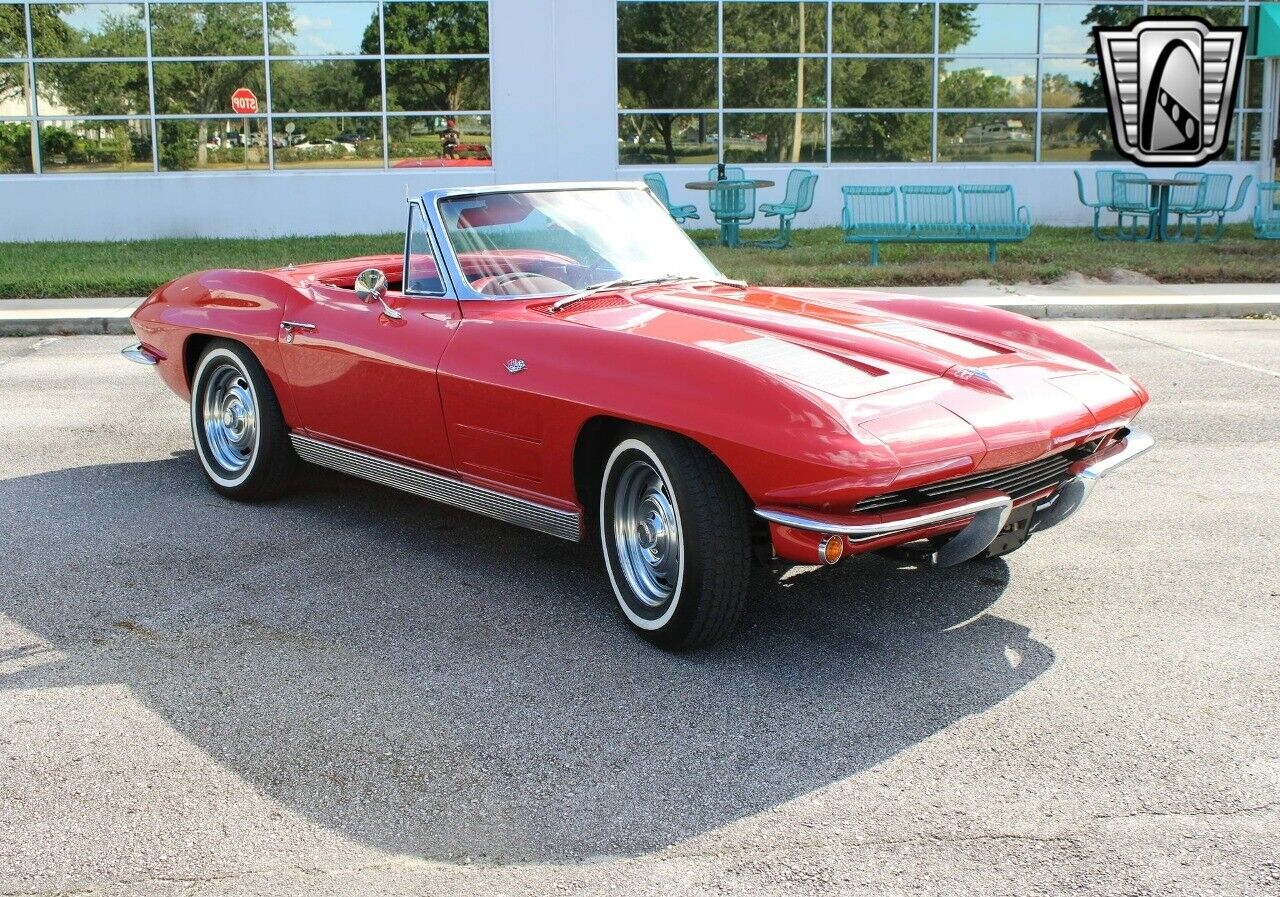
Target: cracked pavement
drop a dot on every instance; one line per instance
(355, 692)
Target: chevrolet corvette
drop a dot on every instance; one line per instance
(564, 358)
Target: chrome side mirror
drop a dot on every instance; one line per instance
(371, 286)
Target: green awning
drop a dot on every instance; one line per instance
(1266, 30)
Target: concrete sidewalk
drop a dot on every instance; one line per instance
(27, 317)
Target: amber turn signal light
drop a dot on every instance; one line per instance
(831, 549)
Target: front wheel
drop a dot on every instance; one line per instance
(239, 431)
(674, 528)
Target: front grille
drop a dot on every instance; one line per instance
(1017, 482)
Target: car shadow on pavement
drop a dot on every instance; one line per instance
(435, 684)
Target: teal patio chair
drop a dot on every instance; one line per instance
(801, 184)
(1213, 203)
(1131, 197)
(1102, 190)
(733, 203)
(1185, 198)
(658, 184)
(731, 173)
(1266, 214)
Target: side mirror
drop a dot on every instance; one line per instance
(371, 286)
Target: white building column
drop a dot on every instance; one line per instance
(554, 75)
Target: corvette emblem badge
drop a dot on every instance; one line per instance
(977, 378)
(515, 365)
(1171, 85)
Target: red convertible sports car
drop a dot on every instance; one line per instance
(564, 358)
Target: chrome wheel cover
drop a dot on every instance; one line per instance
(228, 418)
(646, 534)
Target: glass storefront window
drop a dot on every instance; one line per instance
(221, 144)
(15, 147)
(1251, 125)
(979, 29)
(882, 28)
(207, 29)
(751, 26)
(91, 88)
(436, 28)
(666, 83)
(986, 137)
(775, 137)
(205, 88)
(326, 142)
(326, 85)
(1076, 137)
(969, 83)
(1067, 28)
(1071, 83)
(76, 146)
(323, 29)
(1215, 15)
(667, 139)
(666, 27)
(440, 141)
(881, 137)
(785, 83)
(13, 31)
(863, 83)
(15, 98)
(437, 85)
(78, 30)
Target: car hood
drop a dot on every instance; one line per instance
(912, 373)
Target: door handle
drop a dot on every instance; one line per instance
(290, 326)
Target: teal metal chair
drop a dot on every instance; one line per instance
(1132, 198)
(801, 185)
(733, 203)
(731, 173)
(658, 184)
(871, 215)
(993, 216)
(1212, 203)
(1185, 198)
(1102, 190)
(1266, 214)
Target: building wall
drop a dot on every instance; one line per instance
(554, 102)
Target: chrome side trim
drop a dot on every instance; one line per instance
(803, 521)
(437, 487)
(138, 355)
(1085, 475)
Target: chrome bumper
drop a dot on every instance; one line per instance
(137, 354)
(1085, 474)
(988, 509)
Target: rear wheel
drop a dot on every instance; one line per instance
(239, 432)
(676, 540)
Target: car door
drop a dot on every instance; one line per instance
(364, 374)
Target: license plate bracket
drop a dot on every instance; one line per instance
(1017, 530)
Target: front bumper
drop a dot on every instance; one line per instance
(986, 512)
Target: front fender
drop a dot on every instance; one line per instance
(245, 306)
(784, 443)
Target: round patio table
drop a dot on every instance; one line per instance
(1162, 188)
(711, 185)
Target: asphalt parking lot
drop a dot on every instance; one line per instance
(356, 692)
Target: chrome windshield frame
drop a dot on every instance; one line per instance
(461, 285)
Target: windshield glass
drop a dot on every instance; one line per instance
(560, 241)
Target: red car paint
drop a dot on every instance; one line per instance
(813, 401)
